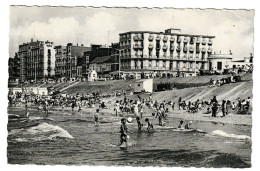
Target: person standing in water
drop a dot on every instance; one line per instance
(123, 131)
(96, 117)
(188, 125)
(149, 126)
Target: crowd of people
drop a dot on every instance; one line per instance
(225, 80)
(126, 106)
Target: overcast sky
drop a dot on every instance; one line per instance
(234, 29)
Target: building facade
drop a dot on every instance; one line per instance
(163, 52)
(61, 59)
(104, 65)
(66, 58)
(37, 60)
(221, 62)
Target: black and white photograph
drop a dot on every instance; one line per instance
(128, 86)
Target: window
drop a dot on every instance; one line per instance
(219, 65)
(150, 63)
(171, 53)
(150, 52)
(184, 65)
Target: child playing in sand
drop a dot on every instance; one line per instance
(149, 126)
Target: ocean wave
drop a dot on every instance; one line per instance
(41, 132)
(224, 134)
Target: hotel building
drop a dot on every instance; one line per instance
(36, 60)
(163, 52)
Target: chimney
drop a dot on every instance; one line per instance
(230, 52)
(31, 39)
(82, 44)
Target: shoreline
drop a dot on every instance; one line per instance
(231, 118)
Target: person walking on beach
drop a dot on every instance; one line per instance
(179, 103)
(214, 108)
(80, 108)
(116, 107)
(224, 108)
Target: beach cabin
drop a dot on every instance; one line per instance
(92, 76)
(145, 85)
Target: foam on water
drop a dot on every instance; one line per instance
(224, 134)
(41, 132)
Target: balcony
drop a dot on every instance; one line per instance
(165, 47)
(178, 48)
(138, 46)
(185, 49)
(158, 38)
(185, 40)
(179, 40)
(198, 40)
(172, 39)
(210, 42)
(191, 56)
(150, 46)
(204, 41)
(197, 55)
(210, 49)
(191, 49)
(172, 48)
(138, 38)
(198, 50)
(184, 56)
(165, 38)
(203, 49)
(150, 38)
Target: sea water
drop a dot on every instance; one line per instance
(75, 140)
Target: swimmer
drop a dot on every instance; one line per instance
(149, 126)
(188, 125)
(123, 131)
(181, 126)
(96, 117)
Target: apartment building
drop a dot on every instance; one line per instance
(36, 60)
(163, 52)
(73, 53)
(61, 60)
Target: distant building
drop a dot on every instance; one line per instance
(85, 63)
(145, 85)
(163, 52)
(61, 60)
(104, 65)
(92, 76)
(99, 51)
(220, 62)
(73, 52)
(36, 60)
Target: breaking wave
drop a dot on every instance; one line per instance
(41, 132)
(224, 134)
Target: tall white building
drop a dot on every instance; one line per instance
(37, 60)
(166, 52)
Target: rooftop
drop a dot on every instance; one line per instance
(163, 33)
